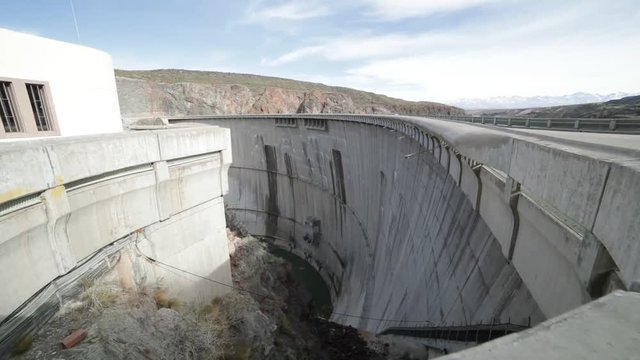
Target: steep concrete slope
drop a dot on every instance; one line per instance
(393, 235)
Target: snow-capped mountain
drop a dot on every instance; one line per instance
(519, 102)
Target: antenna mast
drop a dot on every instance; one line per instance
(75, 21)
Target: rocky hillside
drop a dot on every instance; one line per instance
(627, 107)
(153, 93)
(268, 316)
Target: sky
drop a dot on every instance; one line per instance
(438, 50)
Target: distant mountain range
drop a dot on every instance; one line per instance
(627, 107)
(521, 102)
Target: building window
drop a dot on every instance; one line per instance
(26, 109)
(8, 113)
(39, 107)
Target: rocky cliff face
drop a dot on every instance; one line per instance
(143, 98)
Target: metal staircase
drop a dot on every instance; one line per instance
(463, 333)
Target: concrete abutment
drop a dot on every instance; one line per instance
(110, 204)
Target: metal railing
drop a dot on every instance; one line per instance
(464, 333)
(627, 126)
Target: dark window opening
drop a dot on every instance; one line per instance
(286, 122)
(315, 124)
(7, 111)
(39, 107)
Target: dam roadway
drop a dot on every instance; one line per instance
(416, 221)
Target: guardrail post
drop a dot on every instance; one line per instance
(548, 123)
(576, 125)
(495, 120)
(527, 122)
(612, 125)
(491, 329)
(509, 122)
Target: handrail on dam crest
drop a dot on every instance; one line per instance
(627, 126)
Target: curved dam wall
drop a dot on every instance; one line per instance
(384, 220)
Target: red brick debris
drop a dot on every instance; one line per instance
(73, 339)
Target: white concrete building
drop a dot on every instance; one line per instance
(49, 88)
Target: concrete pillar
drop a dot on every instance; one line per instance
(58, 209)
(163, 189)
(455, 166)
(226, 160)
(512, 194)
(444, 157)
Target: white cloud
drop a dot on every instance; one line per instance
(364, 47)
(401, 9)
(294, 56)
(557, 69)
(516, 32)
(576, 47)
(288, 11)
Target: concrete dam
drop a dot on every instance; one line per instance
(411, 222)
(394, 237)
(420, 221)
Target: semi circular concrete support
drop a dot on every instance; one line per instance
(470, 184)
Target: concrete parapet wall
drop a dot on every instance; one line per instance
(65, 199)
(617, 223)
(603, 329)
(538, 167)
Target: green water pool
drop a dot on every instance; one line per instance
(307, 275)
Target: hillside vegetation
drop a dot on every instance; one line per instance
(153, 93)
(627, 107)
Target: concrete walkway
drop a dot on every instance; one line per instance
(608, 328)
